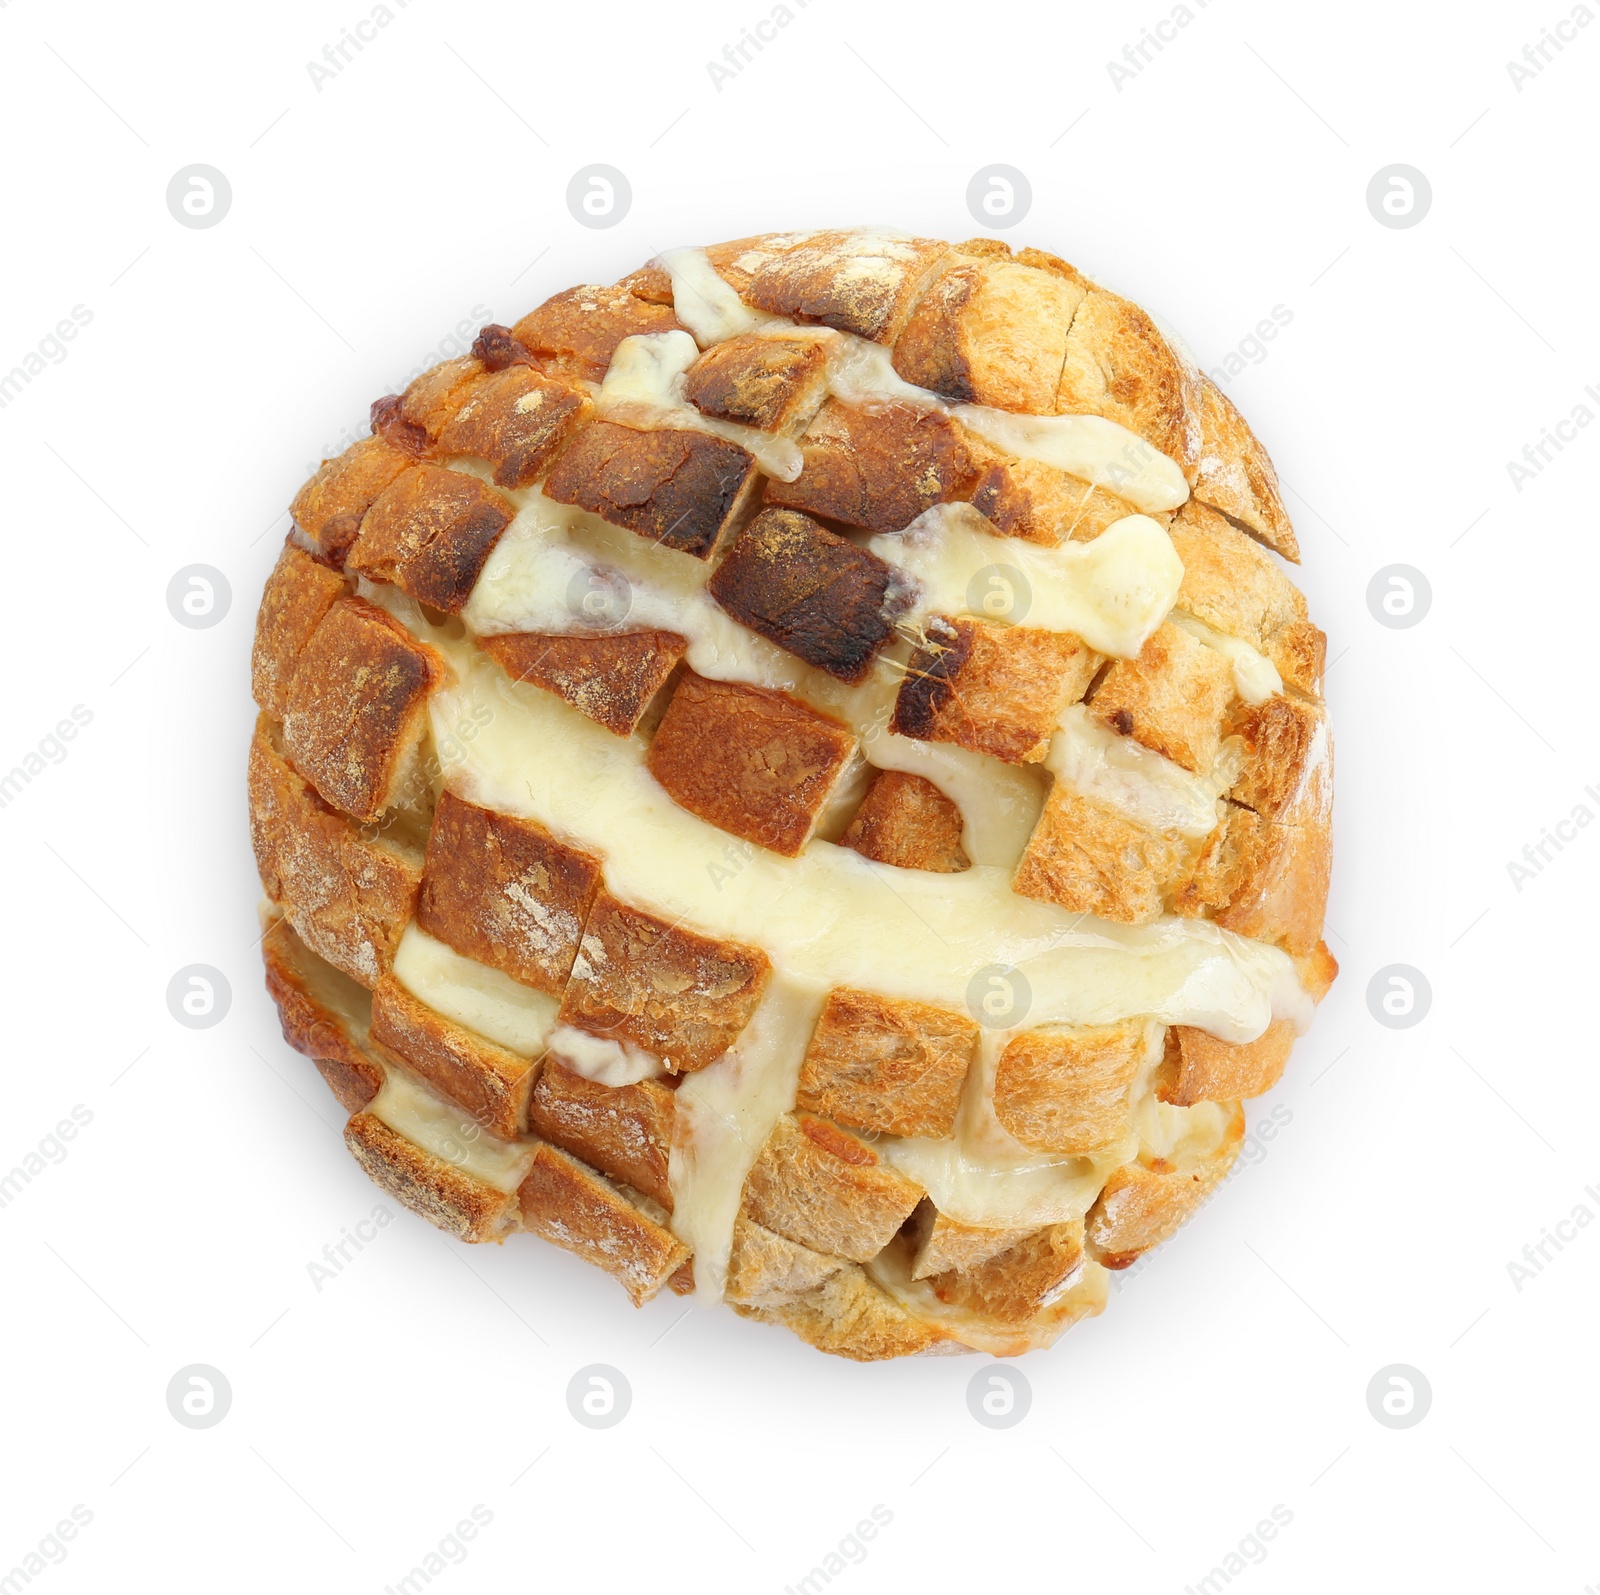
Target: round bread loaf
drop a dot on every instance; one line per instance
(800, 777)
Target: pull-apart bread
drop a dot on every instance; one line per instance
(801, 777)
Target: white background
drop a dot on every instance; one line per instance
(1229, 1373)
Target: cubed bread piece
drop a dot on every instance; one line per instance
(1045, 261)
(576, 332)
(432, 399)
(1275, 878)
(774, 384)
(329, 508)
(516, 420)
(826, 1189)
(1036, 502)
(906, 821)
(1090, 858)
(1288, 762)
(739, 259)
(1118, 365)
(654, 984)
(1235, 476)
(505, 891)
(989, 331)
(1148, 1200)
(1066, 1089)
(992, 688)
(941, 1244)
(1199, 1068)
(1317, 969)
(430, 533)
(444, 1195)
(609, 676)
(1171, 697)
(887, 1064)
(876, 469)
(299, 592)
(1232, 584)
(569, 1204)
(753, 762)
(810, 591)
(858, 280)
(624, 1131)
(324, 1014)
(651, 283)
(347, 897)
(849, 1316)
(682, 489)
(1015, 1284)
(357, 707)
(765, 1270)
(491, 1082)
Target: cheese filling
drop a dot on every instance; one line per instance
(604, 1059)
(439, 1127)
(474, 995)
(1255, 677)
(1113, 592)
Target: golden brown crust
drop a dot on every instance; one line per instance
(430, 533)
(299, 592)
(941, 1244)
(992, 688)
(1234, 475)
(775, 384)
(329, 508)
(1317, 969)
(764, 1269)
(505, 891)
(823, 1188)
(610, 677)
(990, 331)
(1199, 1068)
(683, 489)
(324, 1015)
(876, 469)
(1120, 366)
(1146, 1201)
(906, 821)
(1038, 503)
(348, 898)
(517, 420)
(1281, 890)
(357, 707)
(573, 1207)
(453, 1201)
(1285, 773)
(430, 401)
(1066, 1090)
(624, 1131)
(576, 332)
(851, 281)
(1015, 1284)
(753, 762)
(849, 1316)
(489, 1081)
(1171, 697)
(810, 591)
(1089, 858)
(653, 984)
(886, 1064)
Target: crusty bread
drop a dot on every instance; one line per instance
(672, 937)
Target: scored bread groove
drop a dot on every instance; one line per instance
(678, 708)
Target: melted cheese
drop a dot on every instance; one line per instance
(1113, 592)
(830, 916)
(1135, 780)
(703, 302)
(474, 995)
(1255, 677)
(438, 1127)
(724, 1115)
(644, 388)
(603, 1059)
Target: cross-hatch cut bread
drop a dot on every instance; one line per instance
(783, 561)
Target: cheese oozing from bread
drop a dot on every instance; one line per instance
(448, 1133)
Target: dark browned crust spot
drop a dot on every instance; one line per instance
(357, 705)
(506, 892)
(929, 685)
(389, 423)
(517, 420)
(329, 507)
(652, 984)
(610, 677)
(624, 1131)
(674, 487)
(430, 534)
(810, 591)
(879, 470)
(776, 384)
(930, 353)
(906, 821)
(497, 347)
(753, 762)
